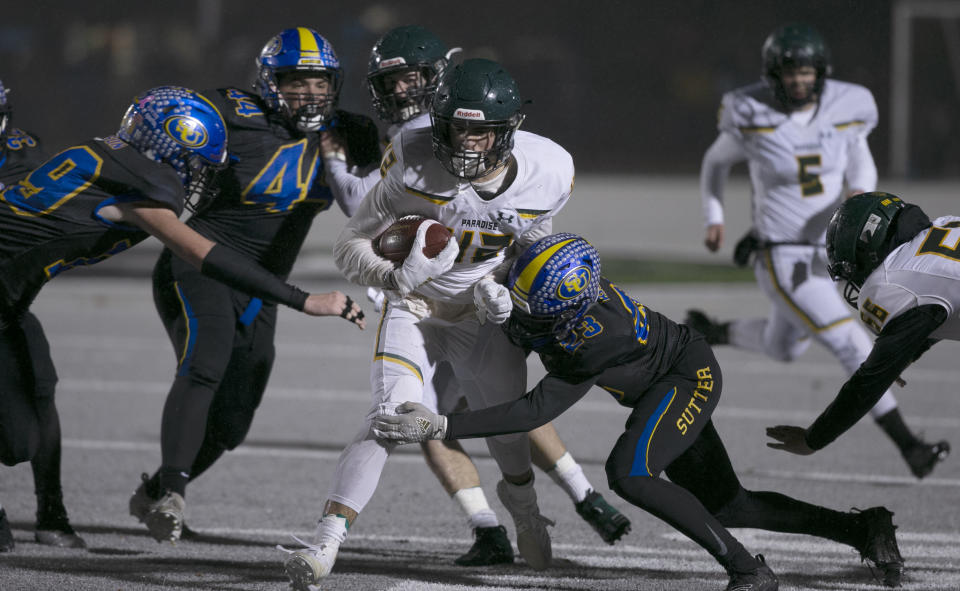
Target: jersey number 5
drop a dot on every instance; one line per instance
(809, 182)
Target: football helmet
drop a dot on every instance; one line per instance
(299, 50)
(795, 45)
(857, 236)
(475, 97)
(552, 285)
(5, 113)
(401, 51)
(179, 127)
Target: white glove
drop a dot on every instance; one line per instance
(418, 269)
(412, 423)
(376, 297)
(492, 300)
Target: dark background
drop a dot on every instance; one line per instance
(626, 86)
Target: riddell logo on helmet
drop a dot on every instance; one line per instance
(393, 61)
(468, 114)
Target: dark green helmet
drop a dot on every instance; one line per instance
(795, 45)
(857, 238)
(475, 98)
(409, 50)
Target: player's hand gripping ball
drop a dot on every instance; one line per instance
(396, 241)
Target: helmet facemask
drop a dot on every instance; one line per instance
(453, 139)
(316, 110)
(420, 84)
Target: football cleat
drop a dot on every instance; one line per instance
(761, 579)
(603, 517)
(6, 536)
(923, 457)
(716, 333)
(533, 539)
(164, 518)
(490, 547)
(140, 501)
(53, 527)
(306, 567)
(879, 547)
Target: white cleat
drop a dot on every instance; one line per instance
(306, 567)
(533, 539)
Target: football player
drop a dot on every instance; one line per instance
(100, 198)
(902, 272)
(495, 188)
(265, 202)
(404, 69)
(588, 333)
(804, 137)
(20, 152)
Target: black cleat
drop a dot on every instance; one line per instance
(879, 547)
(6, 536)
(761, 579)
(716, 333)
(604, 518)
(491, 547)
(923, 457)
(53, 528)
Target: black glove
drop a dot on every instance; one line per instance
(745, 248)
(359, 133)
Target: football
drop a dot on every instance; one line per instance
(396, 241)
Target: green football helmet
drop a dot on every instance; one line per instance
(475, 98)
(795, 45)
(405, 51)
(857, 236)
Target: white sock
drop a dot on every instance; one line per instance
(474, 503)
(569, 475)
(331, 530)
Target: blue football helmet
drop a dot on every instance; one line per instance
(299, 50)
(5, 113)
(179, 127)
(552, 285)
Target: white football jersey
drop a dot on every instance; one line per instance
(415, 182)
(925, 270)
(797, 166)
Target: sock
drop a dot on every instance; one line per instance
(474, 503)
(568, 474)
(331, 530)
(893, 425)
(173, 480)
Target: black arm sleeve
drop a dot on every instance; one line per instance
(900, 343)
(548, 399)
(230, 267)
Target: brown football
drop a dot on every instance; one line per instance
(396, 241)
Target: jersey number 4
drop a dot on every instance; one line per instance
(285, 180)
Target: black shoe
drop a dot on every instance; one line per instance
(923, 457)
(491, 547)
(53, 528)
(605, 519)
(716, 333)
(879, 547)
(761, 579)
(6, 536)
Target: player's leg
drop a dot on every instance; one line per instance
(550, 455)
(458, 475)
(705, 470)
(400, 367)
(661, 427)
(200, 319)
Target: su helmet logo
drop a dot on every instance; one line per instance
(186, 130)
(573, 283)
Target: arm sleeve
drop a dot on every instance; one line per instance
(233, 269)
(861, 172)
(720, 157)
(900, 343)
(353, 251)
(349, 186)
(548, 399)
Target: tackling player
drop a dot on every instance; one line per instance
(804, 137)
(588, 333)
(404, 69)
(265, 202)
(902, 272)
(496, 188)
(20, 152)
(97, 199)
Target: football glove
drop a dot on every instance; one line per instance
(412, 423)
(376, 297)
(745, 248)
(417, 269)
(492, 300)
